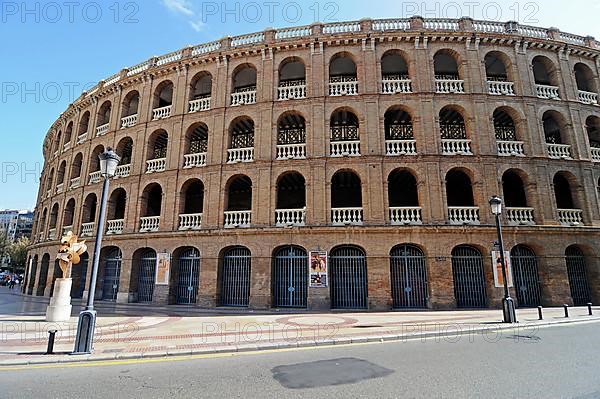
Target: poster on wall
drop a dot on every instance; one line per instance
(497, 265)
(163, 268)
(318, 269)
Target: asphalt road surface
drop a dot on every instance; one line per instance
(553, 362)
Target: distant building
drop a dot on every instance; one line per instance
(16, 224)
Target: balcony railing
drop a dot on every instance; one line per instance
(191, 221)
(102, 130)
(447, 86)
(345, 148)
(519, 216)
(499, 88)
(400, 147)
(570, 217)
(545, 91)
(129, 121)
(291, 151)
(290, 217)
(161, 113)
(405, 215)
(458, 215)
(59, 188)
(52, 234)
(66, 229)
(87, 229)
(123, 171)
(149, 224)
(194, 160)
(510, 148)
(291, 92)
(75, 182)
(234, 219)
(588, 98)
(156, 165)
(201, 104)
(595, 154)
(347, 216)
(115, 226)
(559, 151)
(396, 86)
(243, 97)
(343, 87)
(95, 177)
(456, 147)
(235, 155)
(81, 138)
(67, 146)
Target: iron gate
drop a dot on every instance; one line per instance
(43, 275)
(576, 270)
(188, 269)
(525, 276)
(146, 276)
(290, 277)
(409, 277)
(112, 273)
(469, 281)
(235, 277)
(348, 278)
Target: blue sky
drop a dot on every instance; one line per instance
(52, 50)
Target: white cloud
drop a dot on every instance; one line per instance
(198, 26)
(179, 6)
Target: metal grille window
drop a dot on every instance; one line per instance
(344, 133)
(112, 273)
(469, 280)
(395, 76)
(188, 277)
(290, 277)
(343, 78)
(577, 273)
(505, 133)
(409, 277)
(291, 135)
(403, 131)
(455, 131)
(348, 278)
(198, 140)
(525, 276)
(235, 277)
(159, 149)
(242, 138)
(146, 276)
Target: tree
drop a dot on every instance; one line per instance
(18, 253)
(4, 244)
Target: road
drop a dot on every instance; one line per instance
(552, 362)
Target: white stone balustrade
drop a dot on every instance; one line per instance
(441, 24)
(341, 27)
(234, 219)
(149, 224)
(510, 148)
(501, 88)
(345, 148)
(289, 33)
(291, 92)
(347, 216)
(245, 40)
(290, 217)
(595, 154)
(81, 138)
(559, 151)
(588, 98)
(95, 177)
(128, 121)
(235, 155)
(122, 171)
(458, 215)
(448, 86)
(115, 226)
(59, 188)
(544, 91)
(102, 130)
(243, 97)
(156, 165)
(396, 86)
(391, 24)
(194, 160)
(405, 215)
(400, 147)
(347, 87)
(291, 151)
(67, 146)
(570, 217)
(519, 216)
(66, 229)
(456, 147)
(75, 182)
(161, 113)
(192, 221)
(87, 229)
(51, 234)
(201, 104)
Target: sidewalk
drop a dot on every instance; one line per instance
(136, 331)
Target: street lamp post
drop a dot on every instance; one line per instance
(508, 305)
(109, 161)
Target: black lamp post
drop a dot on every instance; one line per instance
(508, 305)
(109, 161)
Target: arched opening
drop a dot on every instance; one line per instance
(562, 192)
(95, 163)
(394, 66)
(469, 279)
(291, 191)
(292, 79)
(244, 85)
(290, 277)
(68, 136)
(496, 64)
(236, 264)
(398, 124)
(192, 205)
(78, 276)
(60, 176)
(125, 151)
(504, 126)
(592, 126)
(513, 190)
(157, 145)
(68, 215)
(49, 182)
(196, 146)
(344, 133)
(402, 189)
(110, 273)
(452, 124)
(525, 276)
(241, 133)
(129, 109)
(201, 86)
(544, 71)
(185, 276)
(445, 65)
(84, 124)
(103, 118)
(348, 273)
(578, 276)
(143, 274)
(584, 77)
(117, 205)
(554, 125)
(163, 100)
(152, 200)
(291, 136)
(342, 75)
(53, 217)
(57, 142)
(76, 169)
(459, 189)
(408, 277)
(89, 209)
(32, 275)
(43, 219)
(239, 194)
(43, 279)
(346, 198)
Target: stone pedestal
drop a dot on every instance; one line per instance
(60, 303)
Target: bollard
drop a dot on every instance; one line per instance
(589, 305)
(566, 310)
(50, 349)
(540, 313)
